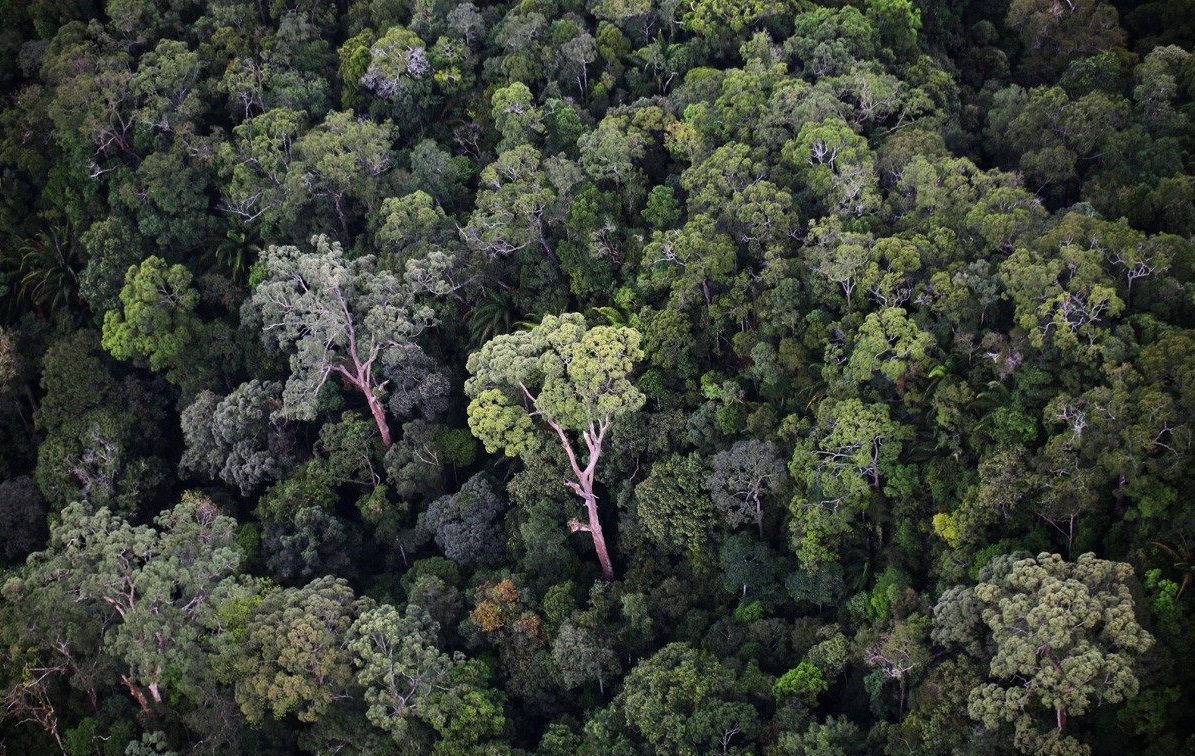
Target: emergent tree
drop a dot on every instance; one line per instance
(339, 317)
(563, 375)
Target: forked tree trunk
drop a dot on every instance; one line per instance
(583, 487)
(360, 373)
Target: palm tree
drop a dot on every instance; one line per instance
(48, 271)
(1182, 559)
(236, 253)
(489, 317)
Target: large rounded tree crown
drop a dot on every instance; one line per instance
(570, 378)
(568, 374)
(336, 317)
(1059, 637)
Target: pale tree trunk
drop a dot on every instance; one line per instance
(583, 487)
(360, 374)
(379, 416)
(137, 695)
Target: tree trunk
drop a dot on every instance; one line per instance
(136, 693)
(583, 485)
(599, 540)
(379, 415)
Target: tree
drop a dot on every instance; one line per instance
(100, 433)
(1053, 35)
(610, 152)
(398, 63)
(1064, 290)
(582, 654)
(713, 17)
(837, 736)
(898, 22)
(418, 385)
(112, 247)
(465, 523)
(293, 657)
(157, 320)
(511, 205)
(889, 343)
(1056, 635)
(693, 264)
(311, 542)
(838, 166)
(743, 477)
(515, 116)
(853, 447)
(341, 317)
(399, 665)
(684, 701)
(750, 568)
(343, 158)
(674, 506)
(564, 375)
(732, 188)
(830, 41)
(236, 438)
(256, 161)
(804, 681)
(839, 256)
(149, 589)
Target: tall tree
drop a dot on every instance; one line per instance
(293, 655)
(684, 701)
(157, 321)
(566, 376)
(743, 478)
(1057, 635)
(340, 317)
(399, 665)
(149, 589)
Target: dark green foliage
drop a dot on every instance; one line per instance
(236, 438)
(685, 701)
(809, 321)
(465, 523)
(24, 514)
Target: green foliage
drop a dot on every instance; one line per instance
(150, 590)
(684, 701)
(465, 523)
(578, 376)
(854, 446)
(582, 656)
(674, 507)
(1063, 632)
(399, 665)
(156, 321)
(292, 659)
(875, 294)
(337, 317)
(235, 438)
(803, 681)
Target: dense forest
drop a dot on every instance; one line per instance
(586, 377)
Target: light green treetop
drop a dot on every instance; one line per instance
(570, 376)
(565, 375)
(398, 664)
(1060, 635)
(157, 321)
